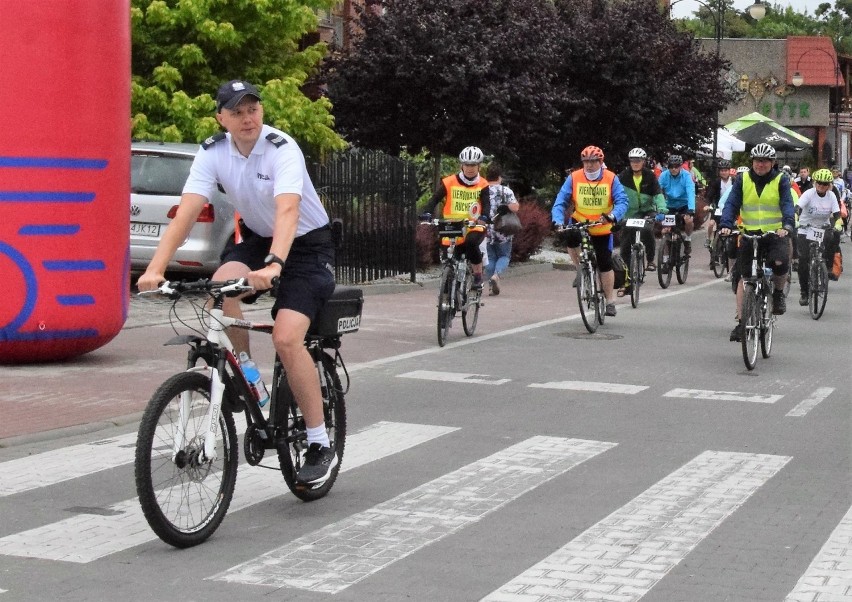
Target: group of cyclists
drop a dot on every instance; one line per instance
(759, 198)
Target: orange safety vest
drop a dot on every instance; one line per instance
(462, 198)
(592, 199)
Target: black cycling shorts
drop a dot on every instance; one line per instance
(307, 280)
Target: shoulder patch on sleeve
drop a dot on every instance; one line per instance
(212, 140)
(276, 139)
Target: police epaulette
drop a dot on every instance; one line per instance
(276, 139)
(212, 140)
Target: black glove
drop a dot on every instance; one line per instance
(609, 217)
(555, 226)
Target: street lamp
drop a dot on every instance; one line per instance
(798, 79)
(717, 11)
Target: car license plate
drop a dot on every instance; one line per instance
(143, 229)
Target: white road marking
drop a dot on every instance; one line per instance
(806, 405)
(578, 385)
(722, 395)
(829, 576)
(66, 463)
(455, 377)
(624, 555)
(339, 555)
(87, 537)
(511, 331)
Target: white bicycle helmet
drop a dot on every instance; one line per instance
(763, 151)
(471, 155)
(637, 153)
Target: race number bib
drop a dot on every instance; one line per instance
(635, 222)
(669, 221)
(815, 234)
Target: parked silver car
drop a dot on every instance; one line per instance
(158, 171)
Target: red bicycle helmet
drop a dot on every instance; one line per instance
(592, 152)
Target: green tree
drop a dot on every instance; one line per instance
(182, 50)
(780, 21)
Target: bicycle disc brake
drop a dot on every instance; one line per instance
(253, 445)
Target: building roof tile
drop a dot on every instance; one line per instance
(814, 57)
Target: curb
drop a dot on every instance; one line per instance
(521, 269)
(70, 431)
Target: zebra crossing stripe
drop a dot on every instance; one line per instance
(829, 576)
(455, 377)
(806, 405)
(722, 395)
(72, 462)
(577, 385)
(624, 555)
(87, 537)
(49, 468)
(339, 555)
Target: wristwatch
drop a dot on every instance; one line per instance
(271, 258)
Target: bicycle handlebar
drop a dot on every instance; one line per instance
(202, 285)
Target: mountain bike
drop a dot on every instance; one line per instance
(757, 320)
(456, 292)
(669, 253)
(817, 273)
(636, 267)
(187, 449)
(590, 295)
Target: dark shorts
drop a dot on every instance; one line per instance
(775, 249)
(307, 280)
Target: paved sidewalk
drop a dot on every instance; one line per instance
(111, 386)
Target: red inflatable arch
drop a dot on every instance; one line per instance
(64, 177)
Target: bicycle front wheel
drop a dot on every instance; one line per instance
(750, 320)
(445, 304)
(664, 270)
(819, 287)
(767, 328)
(470, 311)
(637, 262)
(184, 497)
(717, 255)
(291, 451)
(587, 299)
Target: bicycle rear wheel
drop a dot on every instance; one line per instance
(664, 269)
(819, 287)
(750, 320)
(445, 304)
(717, 256)
(587, 299)
(470, 310)
(184, 497)
(291, 452)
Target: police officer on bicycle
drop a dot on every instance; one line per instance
(287, 235)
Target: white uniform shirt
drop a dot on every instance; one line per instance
(252, 183)
(816, 210)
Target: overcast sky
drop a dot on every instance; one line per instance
(686, 8)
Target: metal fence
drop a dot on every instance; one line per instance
(374, 196)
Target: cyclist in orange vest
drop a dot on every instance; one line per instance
(594, 193)
(465, 196)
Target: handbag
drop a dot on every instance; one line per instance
(508, 224)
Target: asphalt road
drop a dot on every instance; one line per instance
(532, 461)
